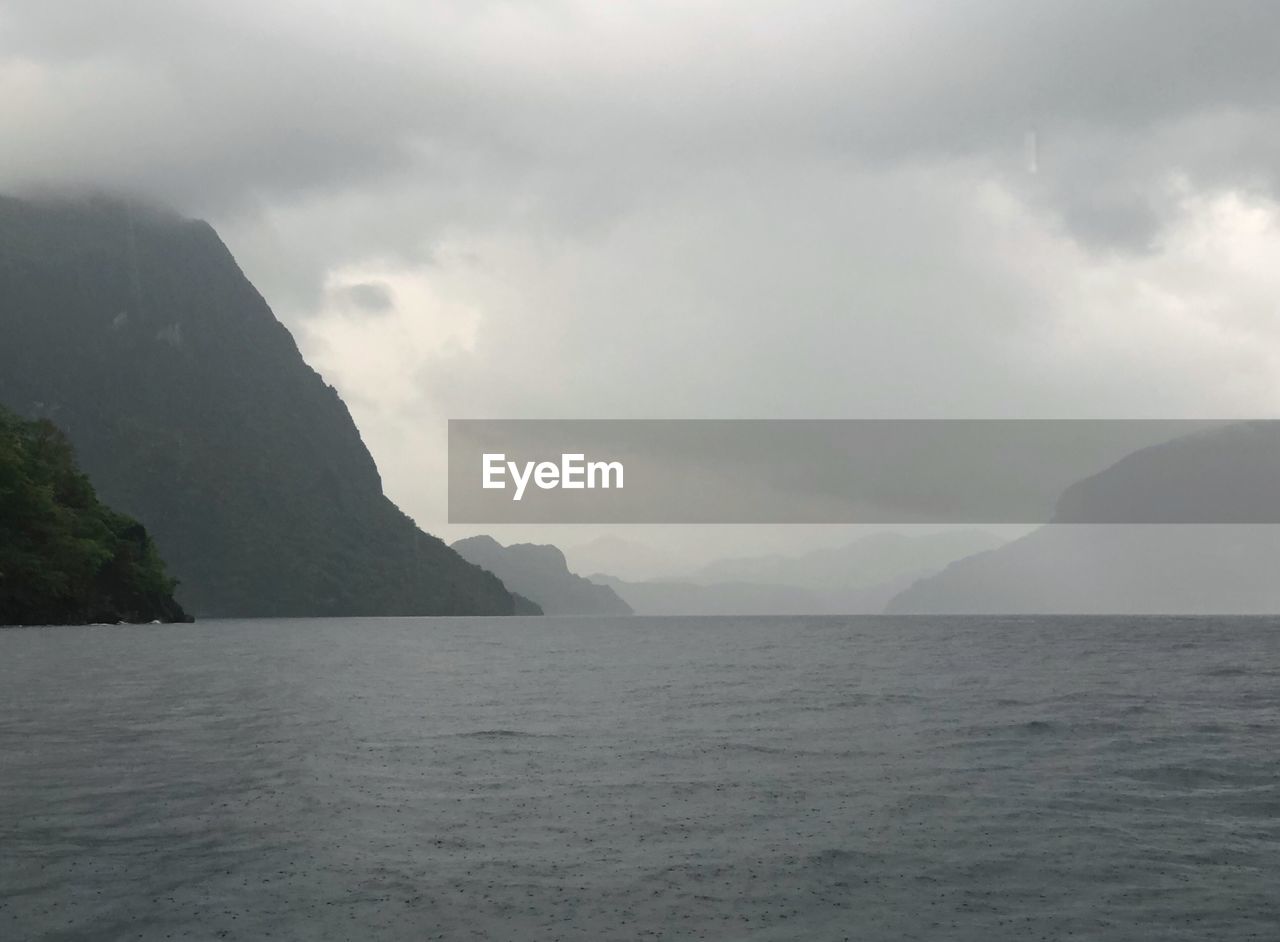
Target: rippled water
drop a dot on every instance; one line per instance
(864, 778)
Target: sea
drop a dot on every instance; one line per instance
(864, 778)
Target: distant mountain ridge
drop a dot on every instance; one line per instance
(191, 409)
(873, 559)
(625, 558)
(678, 597)
(1225, 477)
(858, 578)
(540, 573)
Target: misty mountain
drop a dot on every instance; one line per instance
(872, 560)
(624, 558)
(661, 597)
(1222, 475)
(1230, 474)
(859, 578)
(191, 409)
(673, 597)
(540, 573)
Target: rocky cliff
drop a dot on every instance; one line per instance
(191, 408)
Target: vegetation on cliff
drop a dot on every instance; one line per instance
(65, 557)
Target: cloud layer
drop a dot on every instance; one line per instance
(720, 209)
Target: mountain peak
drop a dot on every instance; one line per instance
(192, 409)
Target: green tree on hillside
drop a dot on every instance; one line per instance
(64, 556)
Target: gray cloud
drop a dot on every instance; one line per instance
(368, 297)
(716, 208)
(217, 106)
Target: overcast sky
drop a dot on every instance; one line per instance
(699, 209)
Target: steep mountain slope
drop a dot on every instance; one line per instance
(1230, 475)
(191, 409)
(540, 573)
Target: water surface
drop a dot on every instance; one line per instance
(596, 779)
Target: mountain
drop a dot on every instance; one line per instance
(1224, 475)
(677, 597)
(540, 573)
(859, 578)
(191, 409)
(627, 559)
(1230, 474)
(670, 597)
(872, 560)
(65, 558)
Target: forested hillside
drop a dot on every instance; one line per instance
(65, 557)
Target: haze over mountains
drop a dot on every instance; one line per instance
(860, 564)
(676, 597)
(191, 409)
(624, 558)
(540, 573)
(1226, 477)
(860, 577)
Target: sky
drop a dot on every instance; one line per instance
(698, 209)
